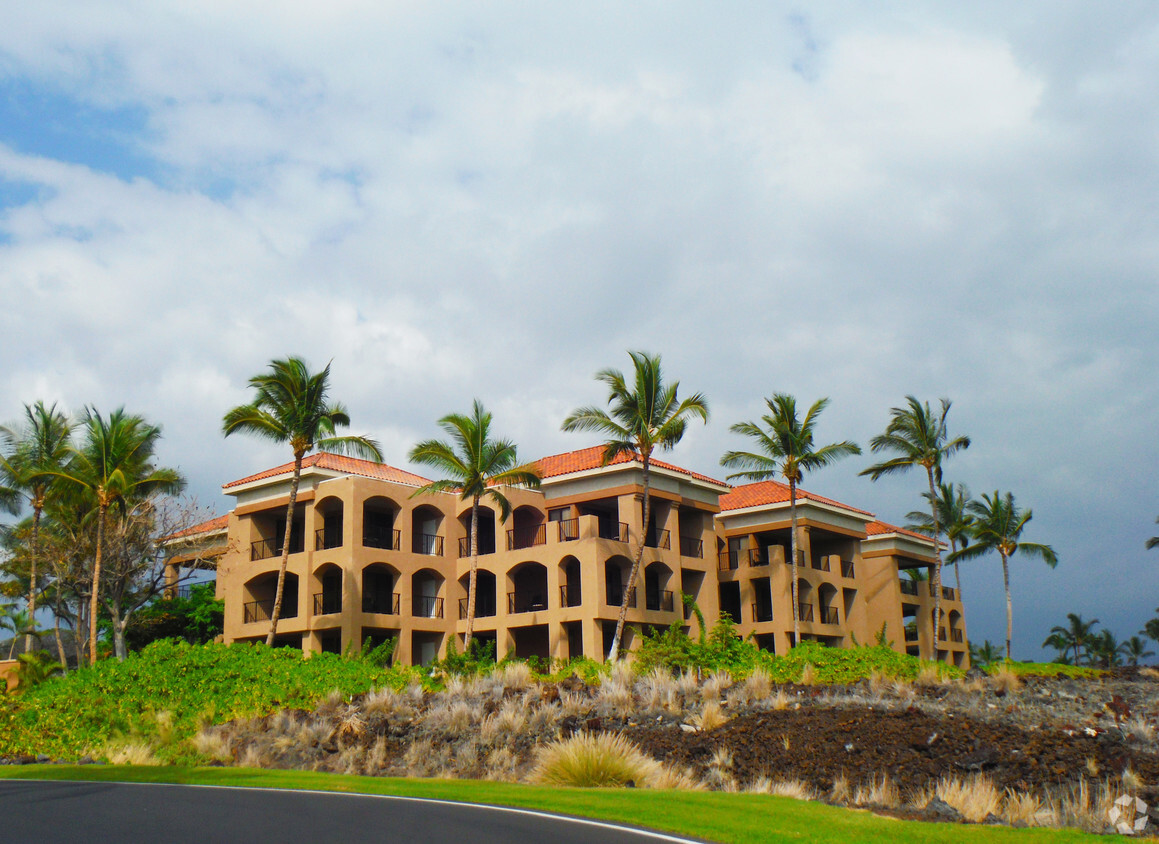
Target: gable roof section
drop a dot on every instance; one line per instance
(212, 526)
(587, 459)
(876, 528)
(774, 492)
(338, 463)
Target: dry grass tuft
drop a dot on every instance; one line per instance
(352, 726)
(509, 721)
(808, 675)
(879, 791)
(593, 760)
(454, 716)
(709, 718)
(841, 793)
(502, 764)
(1151, 673)
(572, 704)
(1132, 781)
(212, 744)
(129, 752)
(1004, 680)
(780, 701)
(1139, 728)
(1082, 807)
(975, 798)
(1092, 767)
(516, 675)
(715, 687)
(930, 675)
(659, 691)
(1024, 809)
(614, 697)
(689, 685)
(756, 687)
(675, 779)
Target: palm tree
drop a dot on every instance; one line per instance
(1153, 542)
(1077, 634)
(114, 462)
(37, 453)
(983, 655)
(291, 406)
(918, 437)
(1105, 648)
(953, 517)
(1135, 649)
(645, 416)
(998, 526)
(476, 466)
(1151, 628)
(784, 448)
(1062, 643)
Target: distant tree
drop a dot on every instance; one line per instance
(917, 436)
(197, 618)
(1154, 540)
(1061, 643)
(1151, 628)
(645, 416)
(1077, 634)
(985, 654)
(1135, 649)
(998, 526)
(476, 466)
(953, 517)
(291, 406)
(1105, 650)
(783, 448)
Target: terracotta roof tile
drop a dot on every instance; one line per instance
(773, 492)
(214, 524)
(590, 458)
(876, 528)
(339, 463)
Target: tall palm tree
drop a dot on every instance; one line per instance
(953, 517)
(1106, 650)
(1135, 649)
(1153, 542)
(37, 451)
(291, 406)
(1077, 634)
(646, 415)
(918, 437)
(998, 526)
(114, 462)
(984, 654)
(1062, 643)
(1151, 628)
(784, 448)
(475, 465)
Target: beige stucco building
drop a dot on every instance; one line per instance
(371, 559)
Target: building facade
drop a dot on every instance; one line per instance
(372, 558)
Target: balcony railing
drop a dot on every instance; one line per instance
(956, 636)
(384, 538)
(568, 529)
(828, 615)
(911, 634)
(617, 531)
(428, 543)
(762, 612)
(262, 610)
(757, 558)
(483, 608)
(567, 598)
(327, 602)
(426, 606)
(658, 600)
(517, 539)
(381, 602)
(805, 612)
(948, 594)
(263, 549)
(847, 570)
(324, 539)
(690, 546)
(525, 602)
(909, 587)
(941, 634)
(821, 564)
(616, 597)
(659, 539)
(484, 548)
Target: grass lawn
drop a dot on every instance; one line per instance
(715, 816)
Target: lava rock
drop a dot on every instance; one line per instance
(939, 810)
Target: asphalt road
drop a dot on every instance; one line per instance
(95, 813)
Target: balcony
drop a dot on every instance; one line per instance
(659, 539)
(327, 602)
(956, 636)
(381, 603)
(762, 612)
(847, 570)
(911, 633)
(909, 587)
(426, 606)
(384, 538)
(263, 549)
(518, 602)
(483, 609)
(805, 612)
(262, 610)
(729, 560)
(568, 530)
(658, 600)
(616, 597)
(485, 548)
(616, 531)
(325, 539)
(566, 599)
(757, 558)
(429, 544)
(948, 594)
(525, 538)
(690, 546)
(820, 564)
(829, 615)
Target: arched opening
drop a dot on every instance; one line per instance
(827, 604)
(934, 621)
(804, 600)
(259, 597)
(657, 535)
(485, 592)
(426, 524)
(330, 534)
(486, 531)
(616, 571)
(658, 597)
(527, 528)
(271, 528)
(426, 593)
(569, 576)
(762, 600)
(328, 589)
(378, 517)
(528, 588)
(956, 632)
(378, 593)
(691, 523)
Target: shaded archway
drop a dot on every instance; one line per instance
(379, 515)
(616, 571)
(657, 595)
(426, 594)
(527, 588)
(259, 594)
(327, 589)
(330, 510)
(485, 594)
(827, 604)
(804, 600)
(378, 592)
(486, 531)
(426, 527)
(570, 594)
(527, 528)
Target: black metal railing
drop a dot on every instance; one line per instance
(428, 543)
(568, 529)
(381, 602)
(757, 558)
(805, 612)
(821, 564)
(485, 548)
(520, 601)
(569, 597)
(659, 539)
(524, 538)
(484, 607)
(847, 570)
(263, 549)
(729, 560)
(426, 606)
(762, 612)
(909, 587)
(941, 634)
(956, 636)
(828, 615)
(616, 597)
(385, 538)
(690, 546)
(262, 610)
(617, 531)
(327, 538)
(327, 602)
(658, 600)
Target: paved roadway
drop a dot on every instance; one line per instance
(44, 812)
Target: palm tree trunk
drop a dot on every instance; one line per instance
(102, 509)
(474, 574)
(793, 551)
(60, 646)
(277, 611)
(936, 580)
(37, 506)
(1009, 606)
(614, 652)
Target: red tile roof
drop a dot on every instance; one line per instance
(214, 524)
(877, 528)
(339, 463)
(773, 492)
(592, 458)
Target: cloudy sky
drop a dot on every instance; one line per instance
(496, 200)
